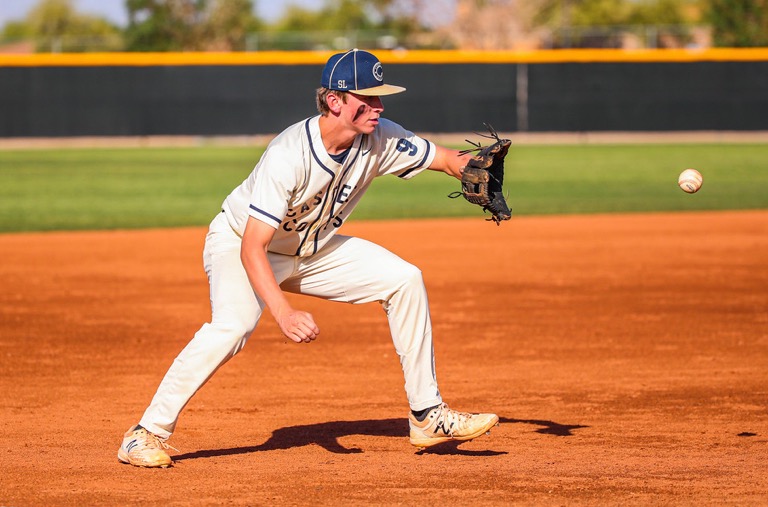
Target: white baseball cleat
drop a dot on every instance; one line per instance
(144, 449)
(443, 425)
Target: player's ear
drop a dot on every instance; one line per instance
(334, 102)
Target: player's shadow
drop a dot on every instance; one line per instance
(546, 427)
(327, 436)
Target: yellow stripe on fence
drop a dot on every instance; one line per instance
(386, 56)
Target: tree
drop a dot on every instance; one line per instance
(610, 12)
(658, 12)
(611, 17)
(188, 25)
(342, 23)
(337, 15)
(738, 23)
(56, 26)
(403, 18)
(296, 19)
(229, 23)
(160, 25)
(16, 30)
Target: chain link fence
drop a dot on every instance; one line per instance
(627, 37)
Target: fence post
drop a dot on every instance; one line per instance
(521, 97)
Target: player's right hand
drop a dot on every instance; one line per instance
(298, 326)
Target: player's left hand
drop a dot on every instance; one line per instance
(483, 176)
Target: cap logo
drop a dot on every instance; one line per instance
(378, 72)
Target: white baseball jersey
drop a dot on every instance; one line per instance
(298, 189)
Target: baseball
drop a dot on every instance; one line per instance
(690, 181)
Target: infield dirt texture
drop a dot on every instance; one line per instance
(626, 356)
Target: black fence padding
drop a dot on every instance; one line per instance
(453, 98)
(141, 101)
(221, 100)
(648, 96)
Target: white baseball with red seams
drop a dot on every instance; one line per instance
(690, 181)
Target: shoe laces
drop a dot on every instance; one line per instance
(152, 441)
(452, 419)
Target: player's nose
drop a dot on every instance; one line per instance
(377, 104)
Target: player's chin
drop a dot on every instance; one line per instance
(370, 126)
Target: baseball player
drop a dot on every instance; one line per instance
(279, 232)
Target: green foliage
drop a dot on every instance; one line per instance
(56, 26)
(600, 12)
(559, 13)
(137, 188)
(154, 26)
(350, 15)
(229, 23)
(738, 23)
(365, 20)
(657, 12)
(603, 23)
(296, 19)
(220, 25)
(189, 25)
(15, 30)
(226, 25)
(344, 15)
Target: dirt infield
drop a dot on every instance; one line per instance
(626, 355)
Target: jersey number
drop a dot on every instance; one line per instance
(405, 145)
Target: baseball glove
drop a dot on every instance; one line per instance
(483, 176)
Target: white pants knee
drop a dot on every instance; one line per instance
(347, 269)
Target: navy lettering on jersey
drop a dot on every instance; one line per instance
(292, 216)
(343, 194)
(405, 145)
(295, 225)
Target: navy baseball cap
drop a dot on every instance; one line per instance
(358, 72)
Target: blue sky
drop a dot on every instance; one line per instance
(114, 10)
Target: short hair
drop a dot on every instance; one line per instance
(321, 99)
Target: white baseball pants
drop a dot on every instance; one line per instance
(347, 269)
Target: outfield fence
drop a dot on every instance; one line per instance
(242, 94)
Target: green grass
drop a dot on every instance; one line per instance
(117, 188)
(632, 178)
(136, 188)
